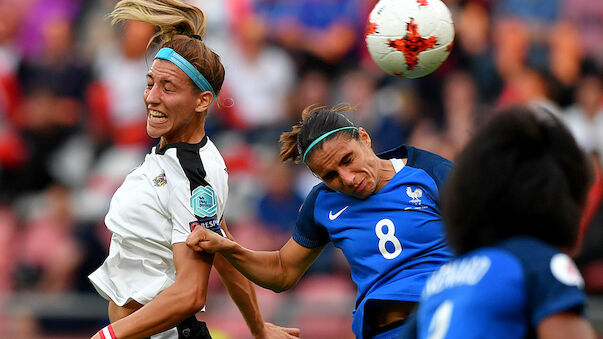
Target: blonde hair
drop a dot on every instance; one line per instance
(180, 27)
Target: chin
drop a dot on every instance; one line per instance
(153, 133)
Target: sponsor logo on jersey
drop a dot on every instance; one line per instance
(334, 216)
(209, 223)
(203, 201)
(564, 270)
(160, 180)
(467, 271)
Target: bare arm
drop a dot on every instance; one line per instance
(565, 326)
(277, 270)
(242, 292)
(185, 297)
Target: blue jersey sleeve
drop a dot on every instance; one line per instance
(307, 231)
(436, 166)
(552, 280)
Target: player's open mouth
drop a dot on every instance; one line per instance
(156, 117)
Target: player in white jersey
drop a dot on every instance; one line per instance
(154, 283)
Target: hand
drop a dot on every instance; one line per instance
(96, 336)
(204, 240)
(272, 331)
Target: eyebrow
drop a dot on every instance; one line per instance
(150, 76)
(332, 172)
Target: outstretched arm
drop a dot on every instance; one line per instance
(242, 292)
(276, 270)
(185, 297)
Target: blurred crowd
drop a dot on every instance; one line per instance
(72, 118)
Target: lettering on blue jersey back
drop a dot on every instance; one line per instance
(468, 271)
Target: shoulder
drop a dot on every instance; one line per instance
(552, 280)
(306, 212)
(434, 165)
(307, 232)
(198, 162)
(543, 261)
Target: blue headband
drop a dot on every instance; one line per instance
(190, 70)
(317, 140)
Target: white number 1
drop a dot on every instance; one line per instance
(438, 327)
(389, 236)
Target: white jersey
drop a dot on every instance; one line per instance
(177, 188)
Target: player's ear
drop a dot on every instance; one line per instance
(204, 99)
(365, 138)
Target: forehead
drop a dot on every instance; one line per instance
(164, 70)
(329, 153)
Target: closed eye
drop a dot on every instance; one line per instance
(329, 176)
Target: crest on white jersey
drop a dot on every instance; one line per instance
(414, 195)
(160, 180)
(203, 201)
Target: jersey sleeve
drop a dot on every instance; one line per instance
(182, 214)
(552, 281)
(307, 232)
(436, 166)
(193, 201)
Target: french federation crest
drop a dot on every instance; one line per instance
(203, 201)
(414, 195)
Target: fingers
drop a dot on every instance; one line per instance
(289, 332)
(195, 238)
(295, 332)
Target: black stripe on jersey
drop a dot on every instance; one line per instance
(183, 145)
(193, 167)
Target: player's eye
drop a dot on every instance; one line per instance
(329, 176)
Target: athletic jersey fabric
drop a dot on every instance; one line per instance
(177, 187)
(503, 291)
(393, 240)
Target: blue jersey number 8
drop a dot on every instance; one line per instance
(386, 237)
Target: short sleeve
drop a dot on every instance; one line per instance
(181, 210)
(307, 232)
(552, 280)
(194, 201)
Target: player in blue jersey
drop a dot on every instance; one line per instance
(381, 210)
(512, 206)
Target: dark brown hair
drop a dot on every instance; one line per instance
(316, 121)
(521, 174)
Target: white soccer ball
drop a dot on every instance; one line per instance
(409, 38)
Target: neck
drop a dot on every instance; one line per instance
(385, 172)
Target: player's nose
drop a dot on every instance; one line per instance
(347, 177)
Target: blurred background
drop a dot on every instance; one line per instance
(72, 126)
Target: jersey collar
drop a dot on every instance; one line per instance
(183, 145)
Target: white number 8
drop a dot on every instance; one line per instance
(388, 237)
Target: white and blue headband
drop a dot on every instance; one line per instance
(190, 70)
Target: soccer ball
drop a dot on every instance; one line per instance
(409, 38)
